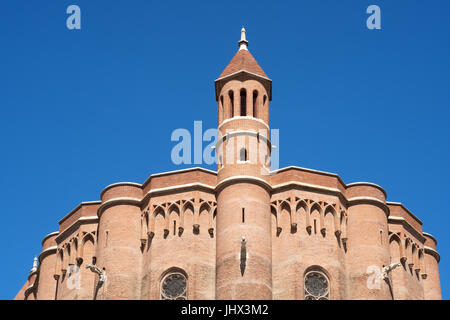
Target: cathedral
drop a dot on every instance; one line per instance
(240, 232)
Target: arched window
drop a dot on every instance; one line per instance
(317, 286)
(231, 95)
(174, 286)
(255, 107)
(243, 102)
(243, 155)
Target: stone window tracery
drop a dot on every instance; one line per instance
(173, 287)
(317, 286)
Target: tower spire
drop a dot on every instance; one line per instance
(243, 43)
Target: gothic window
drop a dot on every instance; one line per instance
(173, 287)
(317, 286)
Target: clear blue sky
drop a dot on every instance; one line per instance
(84, 109)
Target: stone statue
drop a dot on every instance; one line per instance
(97, 270)
(389, 268)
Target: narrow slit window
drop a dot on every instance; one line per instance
(243, 154)
(243, 103)
(231, 95)
(255, 108)
(315, 226)
(243, 215)
(221, 108)
(174, 227)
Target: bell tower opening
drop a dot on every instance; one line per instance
(231, 96)
(255, 107)
(243, 102)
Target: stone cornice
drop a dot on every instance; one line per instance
(177, 188)
(47, 252)
(175, 172)
(74, 226)
(232, 75)
(390, 203)
(117, 201)
(241, 71)
(426, 234)
(117, 184)
(245, 118)
(243, 178)
(369, 184)
(310, 171)
(369, 200)
(242, 133)
(306, 186)
(48, 236)
(432, 252)
(77, 208)
(407, 226)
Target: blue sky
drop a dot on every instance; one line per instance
(83, 109)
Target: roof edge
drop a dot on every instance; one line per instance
(390, 203)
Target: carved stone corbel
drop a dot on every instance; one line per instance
(196, 228)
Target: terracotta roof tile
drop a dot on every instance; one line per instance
(243, 60)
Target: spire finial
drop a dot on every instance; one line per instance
(243, 43)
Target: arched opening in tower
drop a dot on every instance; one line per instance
(243, 102)
(255, 107)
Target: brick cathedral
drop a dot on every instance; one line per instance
(241, 232)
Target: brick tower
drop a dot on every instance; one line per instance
(243, 243)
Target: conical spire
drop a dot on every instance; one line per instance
(243, 60)
(243, 63)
